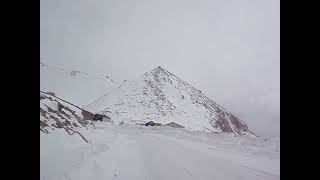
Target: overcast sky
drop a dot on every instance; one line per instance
(229, 49)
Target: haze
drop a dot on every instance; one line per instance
(228, 49)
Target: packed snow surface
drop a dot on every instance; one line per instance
(130, 152)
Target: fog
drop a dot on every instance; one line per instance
(230, 50)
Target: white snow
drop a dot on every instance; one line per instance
(74, 86)
(48, 103)
(138, 152)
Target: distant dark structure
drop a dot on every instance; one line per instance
(174, 125)
(150, 123)
(101, 117)
(157, 124)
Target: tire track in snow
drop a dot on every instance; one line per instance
(197, 164)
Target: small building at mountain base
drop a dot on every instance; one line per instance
(174, 125)
(151, 123)
(101, 117)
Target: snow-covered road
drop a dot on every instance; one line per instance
(141, 153)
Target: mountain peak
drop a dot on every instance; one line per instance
(157, 72)
(157, 69)
(160, 71)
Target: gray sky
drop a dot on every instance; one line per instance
(229, 49)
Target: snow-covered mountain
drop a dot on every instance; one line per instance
(72, 85)
(163, 97)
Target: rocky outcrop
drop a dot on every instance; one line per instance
(54, 113)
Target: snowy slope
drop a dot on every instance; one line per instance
(72, 85)
(161, 96)
(58, 114)
(158, 153)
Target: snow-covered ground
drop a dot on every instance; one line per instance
(137, 153)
